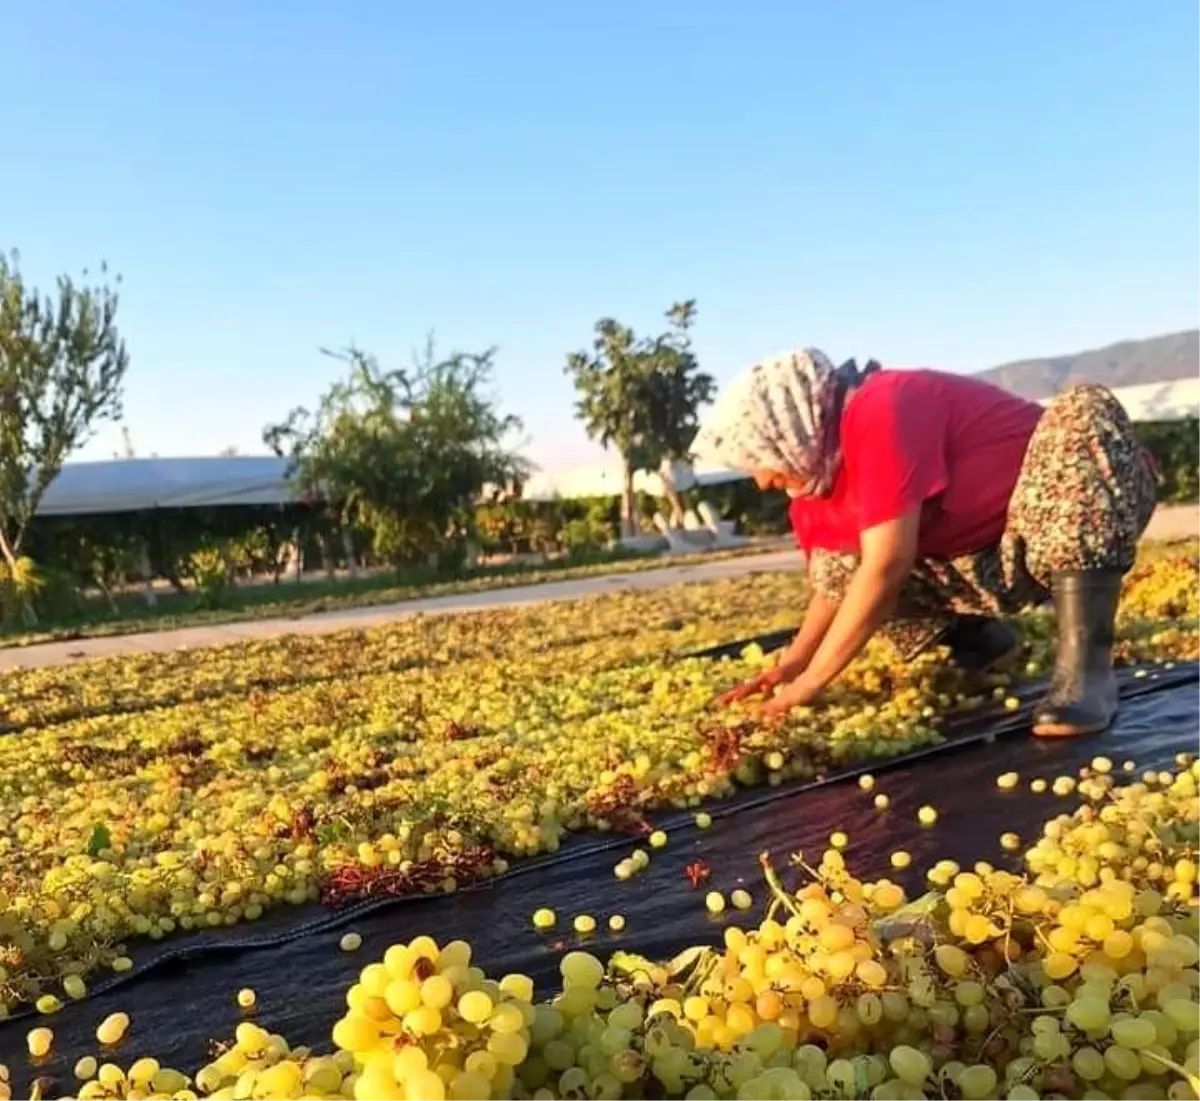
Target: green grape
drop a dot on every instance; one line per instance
(626, 1015)
(842, 1078)
(1089, 1064)
(1090, 1014)
(743, 1067)
(573, 1082)
(976, 1019)
(1123, 1063)
(581, 969)
(782, 1084)
(944, 1014)
(627, 1066)
(614, 1039)
(425, 1086)
(547, 1023)
(605, 1086)
(909, 1064)
(656, 1040)
(467, 1086)
(977, 1082)
(475, 1006)
(810, 1062)
(751, 1088)
(968, 993)
(1184, 1014)
(1134, 1032)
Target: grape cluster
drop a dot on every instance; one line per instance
(143, 823)
(195, 790)
(992, 985)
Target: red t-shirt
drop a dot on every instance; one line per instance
(950, 444)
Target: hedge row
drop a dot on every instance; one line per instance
(208, 548)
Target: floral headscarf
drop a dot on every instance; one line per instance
(784, 415)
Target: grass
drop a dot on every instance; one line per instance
(288, 600)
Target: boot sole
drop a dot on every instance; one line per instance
(1065, 730)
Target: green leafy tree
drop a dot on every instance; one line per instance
(62, 370)
(404, 454)
(611, 383)
(641, 397)
(678, 390)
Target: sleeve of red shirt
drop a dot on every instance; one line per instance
(894, 451)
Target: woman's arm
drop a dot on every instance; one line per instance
(889, 551)
(817, 619)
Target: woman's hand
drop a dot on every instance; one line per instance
(800, 693)
(796, 657)
(762, 685)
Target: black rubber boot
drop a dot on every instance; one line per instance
(979, 643)
(1083, 692)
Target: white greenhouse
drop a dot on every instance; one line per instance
(136, 485)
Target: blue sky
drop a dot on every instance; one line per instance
(930, 183)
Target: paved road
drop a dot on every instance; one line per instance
(1175, 522)
(61, 653)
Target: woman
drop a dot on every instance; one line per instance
(931, 505)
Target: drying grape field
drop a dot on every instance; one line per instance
(154, 797)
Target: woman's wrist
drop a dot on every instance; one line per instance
(785, 672)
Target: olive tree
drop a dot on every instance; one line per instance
(62, 371)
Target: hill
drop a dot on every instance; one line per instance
(1129, 363)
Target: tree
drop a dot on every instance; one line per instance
(678, 389)
(404, 454)
(611, 381)
(62, 369)
(641, 397)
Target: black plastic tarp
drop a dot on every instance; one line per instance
(183, 992)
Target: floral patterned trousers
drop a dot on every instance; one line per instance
(1084, 496)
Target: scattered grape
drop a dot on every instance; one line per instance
(741, 899)
(86, 1068)
(112, 1029)
(40, 1040)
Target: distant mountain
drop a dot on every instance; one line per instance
(1130, 363)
